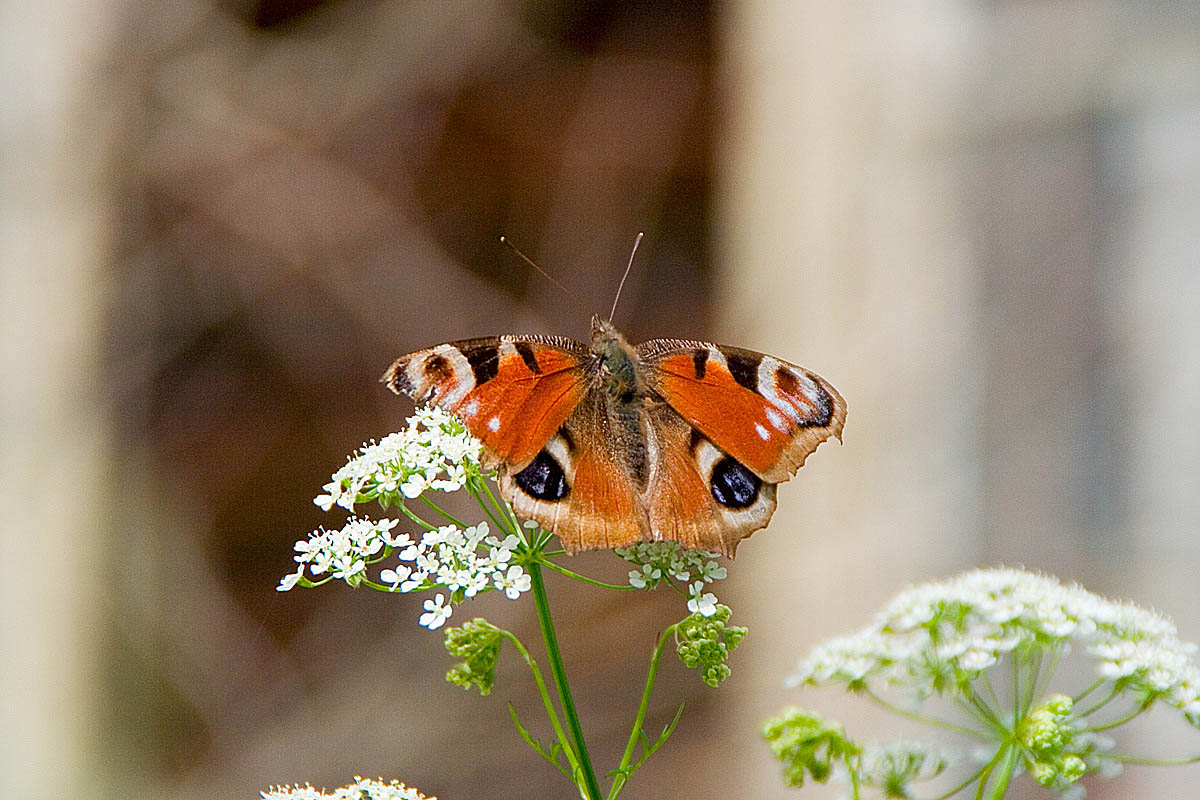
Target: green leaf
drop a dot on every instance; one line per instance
(551, 755)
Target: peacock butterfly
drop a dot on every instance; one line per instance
(609, 444)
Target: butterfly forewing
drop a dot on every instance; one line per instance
(511, 392)
(766, 413)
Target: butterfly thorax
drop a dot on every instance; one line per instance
(618, 368)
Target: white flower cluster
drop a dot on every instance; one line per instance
(937, 634)
(361, 789)
(665, 561)
(434, 451)
(465, 562)
(342, 554)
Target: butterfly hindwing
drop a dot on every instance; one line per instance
(699, 495)
(766, 413)
(604, 480)
(581, 485)
(511, 392)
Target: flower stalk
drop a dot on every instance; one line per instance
(454, 561)
(589, 785)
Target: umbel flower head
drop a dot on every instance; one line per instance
(948, 638)
(940, 636)
(361, 789)
(426, 548)
(434, 453)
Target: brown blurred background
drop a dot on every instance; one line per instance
(222, 220)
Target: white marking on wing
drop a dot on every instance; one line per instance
(558, 450)
(768, 384)
(459, 386)
(494, 424)
(762, 432)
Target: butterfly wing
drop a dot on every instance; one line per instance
(583, 485)
(615, 474)
(764, 412)
(600, 472)
(698, 495)
(511, 392)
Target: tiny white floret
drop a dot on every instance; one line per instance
(435, 614)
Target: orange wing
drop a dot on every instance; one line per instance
(689, 498)
(511, 392)
(602, 482)
(766, 413)
(582, 486)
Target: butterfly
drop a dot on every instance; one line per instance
(607, 444)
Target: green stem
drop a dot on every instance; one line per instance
(627, 757)
(1007, 767)
(550, 712)
(453, 519)
(926, 720)
(1016, 687)
(1116, 722)
(504, 509)
(1111, 696)
(1096, 684)
(970, 702)
(853, 770)
(1154, 762)
(991, 691)
(413, 516)
(500, 526)
(1048, 672)
(1034, 662)
(976, 776)
(564, 571)
(973, 713)
(985, 773)
(590, 785)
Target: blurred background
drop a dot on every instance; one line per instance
(222, 220)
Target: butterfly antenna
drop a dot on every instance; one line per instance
(621, 285)
(504, 240)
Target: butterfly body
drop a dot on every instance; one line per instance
(608, 444)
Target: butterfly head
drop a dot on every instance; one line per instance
(620, 371)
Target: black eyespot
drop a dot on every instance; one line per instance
(543, 479)
(734, 486)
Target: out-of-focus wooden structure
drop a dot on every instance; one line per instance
(221, 220)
